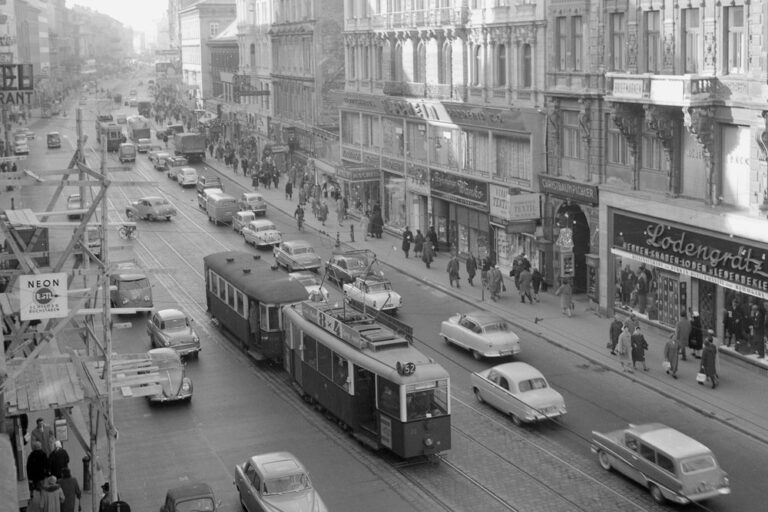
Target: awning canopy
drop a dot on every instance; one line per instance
(358, 173)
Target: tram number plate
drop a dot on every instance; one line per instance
(330, 324)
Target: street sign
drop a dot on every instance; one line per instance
(16, 84)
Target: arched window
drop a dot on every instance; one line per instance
(477, 65)
(397, 63)
(501, 65)
(420, 63)
(352, 64)
(527, 65)
(445, 67)
(252, 53)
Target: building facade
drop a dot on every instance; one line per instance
(442, 121)
(224, 58)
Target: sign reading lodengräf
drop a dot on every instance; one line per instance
(43, 296)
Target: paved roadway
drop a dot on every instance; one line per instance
(239, 408)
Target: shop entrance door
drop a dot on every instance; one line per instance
(707, 305)
(668, 298)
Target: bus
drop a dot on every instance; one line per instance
(145, 108)
(244, 295)
(110, 133)
(370, 377)
(138, 128)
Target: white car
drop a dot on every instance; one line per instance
(373, 292)
(253, 201)
(262, 233)
(297, 255)
(187, 176)
(143, 145)
(312, 283)
(483, 334)
(241, 219)
(519, 390)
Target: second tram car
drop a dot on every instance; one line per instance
(372, 379)
(109, 133)
(245, 295)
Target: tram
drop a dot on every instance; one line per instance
(244, 294)
(370, 377)
(109, 132)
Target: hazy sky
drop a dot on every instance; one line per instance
(142, 15)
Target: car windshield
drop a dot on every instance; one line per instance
(135, 284)
(161, 201)
(196, 505)
(532, 384)
(176, 324)
(379, 287)
(496, 327)
(288, 483)
(699, 463)
(303, 250)
(356, 264)
(426, 400)
(264, 227)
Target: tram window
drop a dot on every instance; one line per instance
(427, 399)
(389, 397)
(310, 351)
(273, 318)
(230, 295)
(213, 282)
(340, 371)
(222, 290)
(324, 360)
(239, 304)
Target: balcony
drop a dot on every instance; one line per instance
(411, 89)
(670, 90)
(424, 18)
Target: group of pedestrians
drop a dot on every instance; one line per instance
(51, 484)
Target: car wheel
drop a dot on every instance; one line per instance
(128, 214)
(516, 420)
(168, 218)
(479, 396)
(477, 355)
(656, 493)
(604, 460)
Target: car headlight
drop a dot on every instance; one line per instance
(195, 338)
(125, 300)
(185, 385)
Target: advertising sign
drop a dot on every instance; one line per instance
(16, 84)
(43, 296)
(514, 207)
(567, 189)
(459, 189)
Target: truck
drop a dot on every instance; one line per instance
(144, 107)
(138, 128)
(190, 145)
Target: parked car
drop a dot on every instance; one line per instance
(144, 145)
(671, 465)
(276, 481)
(519, 390)
(312, 283)
(159, 163)
(483, 334)
(202, 199)
(241, 219)
(173, 328)
(175, 384)
(196, 497)
(26, 132)
(297, 255)
(205, 182)
(150, 208)
(373, 292)
(253, 201)
(53, 140)
(345, 267)
(261, 233)
(187, 176)
(173, 164)
(20, 144)
(75, 203)
(156, 154)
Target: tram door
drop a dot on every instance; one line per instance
(365, 399)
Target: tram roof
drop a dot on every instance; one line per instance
(255, 278)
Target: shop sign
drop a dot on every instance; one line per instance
(358, 173)
(628, 87)
(417, 179)
(514, 207)
(352, 154)
(43, 296)
(717, 259)
(566, 189)
(391, 164)
(371, 159)
(486, 117)
(459, 189)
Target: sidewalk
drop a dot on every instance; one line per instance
(739, 401)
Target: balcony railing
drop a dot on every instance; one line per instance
(676, 90)
(419, 18)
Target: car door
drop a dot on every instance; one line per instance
(253, 501)
(494, 397)
(467, 337)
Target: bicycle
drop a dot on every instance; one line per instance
(127, 232)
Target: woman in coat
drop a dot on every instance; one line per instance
(708, 362)
(496, 282)
(566, 297)
(696, 337)
(624, 349)
(322, 212)
(672, 355)
(471, 265)
(52, 496)
(427, 255)
(418, 243)
(639, 346)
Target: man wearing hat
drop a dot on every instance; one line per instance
(106, 500)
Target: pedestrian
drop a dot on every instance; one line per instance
(210, 149)
(614, 331)
(44, 435)
(106, 498)
(244, 165)
(275, 178)
(756, 330)
(496, 282)
(418, 244)
(536, 281)
(322, 212)
(565, 292)
(289, 190)
(58, 459)
(234, 164)
(485, 268)
(377, 224)
(524, 278)
(340, 211)
(683, 333)
(432, 236)
(453, 270)
(471, 266)
(37, 466)
(52, 496)
(624, 348)
(364, 224)
(427, 255)
(708, 363)
(696, 338)
(165, 140)
(407, 240)
(639, 346)
(671, 355)
(71, 490)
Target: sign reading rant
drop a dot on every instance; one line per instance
(459, 189)
(568, 189)
(16, 84)
(721, 260)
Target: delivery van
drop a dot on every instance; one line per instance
(126, 152)
(221, 207)
(130, 288)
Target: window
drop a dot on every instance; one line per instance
(652, 41)
(736, 53)
(420, 63)
(253, 55)
(665, 462)
(378, 62)
(527, 67)
(340, 371)
(389, 397)
(618, 148)
(513, 158)
(691, 40)
(617, 41)
(213, 29)
(396, 70)
(310, 351)
(561, 35)
(475, 150)
(351, 52)
(445, 68)
(230, 295)
(653, 153)
(647, 452)
(365, 72)
(577, 42)
(477, 65)
(240, 303)
(222, 289)
(571, 140)
(501, 65)
(324, 363)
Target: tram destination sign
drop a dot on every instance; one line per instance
(16, 84)
(331, 324)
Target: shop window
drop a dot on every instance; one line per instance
(652, 41)
(654, 157)
(394, 201)
(350, 128)
(571, 139)
(691, 40)
(648, 291)
(735, 40)
(513, 158)
(417, 141)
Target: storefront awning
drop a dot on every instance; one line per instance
(358, 173)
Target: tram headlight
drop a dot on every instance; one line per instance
(428, 442)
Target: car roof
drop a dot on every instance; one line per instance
(263, 222)
(246, 213)
(186, 491)
(277, 464)
(484, 317)
(167, 314)
(517, 371)
(297, 243)
(53, 133)
(145, 139)
(187, 169)
(150, 198)
(668, 440)
(250, 195)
